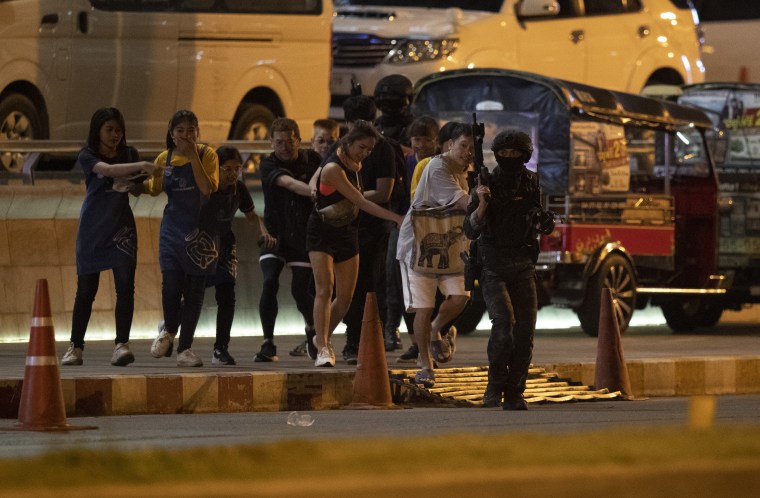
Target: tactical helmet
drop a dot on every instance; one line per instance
(514, 139)
(393, 93)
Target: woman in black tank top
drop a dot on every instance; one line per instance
(332, 235)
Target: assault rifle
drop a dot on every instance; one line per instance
(472, 266)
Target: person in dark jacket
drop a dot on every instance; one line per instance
(505, 216)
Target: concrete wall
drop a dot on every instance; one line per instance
(38, 226)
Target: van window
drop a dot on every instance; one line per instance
(482, 5)
(307, 7)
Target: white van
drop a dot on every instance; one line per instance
(237, 64)
(616, 44)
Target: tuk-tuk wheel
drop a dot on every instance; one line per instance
(616, 274)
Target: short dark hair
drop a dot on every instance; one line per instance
(328, 124)
(227, 152)
(460, 130)
(179, 117)
(284, 124)
(101, 117)
(359, 107)
(424, 126)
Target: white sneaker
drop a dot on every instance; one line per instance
(163, 345)
(189, 359)
(325, 358)
(72, 356)
(122, 356)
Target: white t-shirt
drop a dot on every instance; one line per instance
(442, 183)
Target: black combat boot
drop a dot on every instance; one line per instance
(513, 400)
(493, 395)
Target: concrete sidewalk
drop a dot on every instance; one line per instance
(726, 361)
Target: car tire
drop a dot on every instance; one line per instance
(19, 120)
(617, 274)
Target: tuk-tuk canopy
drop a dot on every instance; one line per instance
(552, 104)
(733, 109)
(464, 89)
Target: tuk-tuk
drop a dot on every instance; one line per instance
(630, 179)
(734, 109)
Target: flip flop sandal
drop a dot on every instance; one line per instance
(451, 337)
(426, 377)
(441, 351)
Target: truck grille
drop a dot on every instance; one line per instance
(359, 50)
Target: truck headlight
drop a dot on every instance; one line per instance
(409, 51)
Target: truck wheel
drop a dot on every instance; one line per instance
(19, 120)
(615, 273)
(689, 313)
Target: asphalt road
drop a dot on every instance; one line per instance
(206, 430)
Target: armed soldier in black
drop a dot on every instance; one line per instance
(505, 217)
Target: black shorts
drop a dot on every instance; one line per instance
(342, 243)
(287, 254)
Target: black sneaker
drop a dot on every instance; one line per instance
(351, 354)
(493, 395)
(222, 357)
(392, 340)
(410, 356)
(268, 352)
(311, 348)
(299, 350)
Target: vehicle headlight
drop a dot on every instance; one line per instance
(408, 51)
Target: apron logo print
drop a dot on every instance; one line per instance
(201, 248)
(126, 241)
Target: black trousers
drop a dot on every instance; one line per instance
(182, 297)
(373, 247)
(225, 313)
(510, 295)
(87, 289)
(301, 288)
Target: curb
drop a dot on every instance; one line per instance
(688, 376)
(278, 391)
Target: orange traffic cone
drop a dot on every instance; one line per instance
(611, 371)
(41, 407)
(372, 387)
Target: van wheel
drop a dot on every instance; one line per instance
(19, 120)
(252, 122)
(688, 313)
(616, 274)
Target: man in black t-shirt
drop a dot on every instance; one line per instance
(285, 176)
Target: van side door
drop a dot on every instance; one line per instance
(123, 54)
(618, 33)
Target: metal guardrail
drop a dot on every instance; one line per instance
(33, 151)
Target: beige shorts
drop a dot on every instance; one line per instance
(419, 288)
